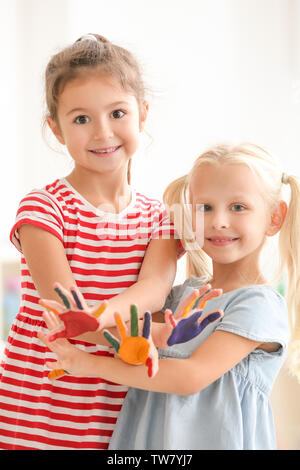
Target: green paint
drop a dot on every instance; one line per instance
(63, 298)
(134, 320)
(115, 344)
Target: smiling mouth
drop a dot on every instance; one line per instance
(105, 151)
(222, 241)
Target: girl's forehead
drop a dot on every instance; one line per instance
(94, 82)
(224, 178)
(90, 90)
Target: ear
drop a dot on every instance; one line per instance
(277, 219)
(55, 129)
(143, 114)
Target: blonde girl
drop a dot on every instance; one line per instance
(89, 229)
(214, 390)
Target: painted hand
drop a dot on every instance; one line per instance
(135, 349)
(53, 324)
(187, 323)
(70, 359)
(75, 316)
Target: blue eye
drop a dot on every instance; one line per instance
(237, 207)
(117, 114)
(203, 207)
(82, 119)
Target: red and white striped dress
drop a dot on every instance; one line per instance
(105, 252)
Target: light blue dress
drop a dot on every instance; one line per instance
(233, 412)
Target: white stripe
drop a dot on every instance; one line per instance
(144, 211)
(47, 434)
(37, 417)
(68, 398)
(59, 410)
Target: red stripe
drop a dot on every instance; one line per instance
(55, 402)
(50, 441)
(37, 224)
(22, 344)
(24, 331)
(60, 389)
(59, 416)
(64, 214)
(42, 348)
(41, 210)
(89, 260)
(54, 428)
(6, 446)
(105, 249)
(44, 197)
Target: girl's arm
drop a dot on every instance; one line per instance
(151, 289)
(46, 259)
(212, 359)
(154, 282)
(47, 262)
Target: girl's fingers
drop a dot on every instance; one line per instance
(42, 338)
(99, 309)
(53, 324)
(76, 299)
(191, 302)
(56, 374)
(52, 321)
(121, 326)
(61, 347)
(52, 305)
(169, 319)
(209, 318)
(113, 341)
(202, 293)
(147, 325)
(65, 296)
(187, 303)
(210, 295)
(134, 320)
(152, 361)
(54, 365)
(45, 339)
(77, 294)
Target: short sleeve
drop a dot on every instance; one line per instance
(258, 313)
(39, 209)
(164, 228)
(162, 225)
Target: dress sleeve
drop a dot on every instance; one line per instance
(162, 225)
(39, 209)
(258, 313)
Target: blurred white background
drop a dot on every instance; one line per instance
(217, 70)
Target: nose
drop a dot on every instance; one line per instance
(102, 130)
(220, 220)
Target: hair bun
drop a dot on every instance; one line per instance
(93, 37)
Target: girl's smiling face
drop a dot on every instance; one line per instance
(99, 122)
(236, 217)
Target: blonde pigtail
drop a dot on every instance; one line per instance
(176, 197)
(289, 246)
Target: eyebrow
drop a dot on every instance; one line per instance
(110, 105)
(235, 197)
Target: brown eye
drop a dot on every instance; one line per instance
(82, 119)
(117, 114)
